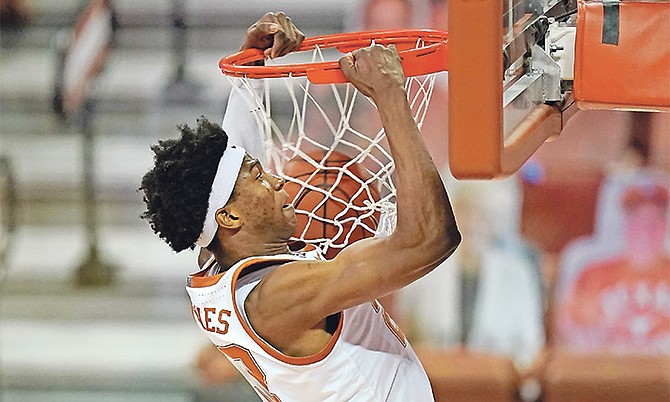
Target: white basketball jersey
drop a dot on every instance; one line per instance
(367, 359)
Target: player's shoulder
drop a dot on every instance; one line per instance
(210, 272)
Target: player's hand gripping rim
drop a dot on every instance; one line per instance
(275, 34)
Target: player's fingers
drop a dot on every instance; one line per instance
(261, 30)
(260, 36)
(284, 45)
(297, 41)
(281, 46)
(347, 64)
(280, 41)
(394, 52)
(287, 39)
(393, 48)
(265, 28)
(260, 33)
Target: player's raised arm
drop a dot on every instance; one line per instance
(426, 232)
(298, 296)
(276, 35)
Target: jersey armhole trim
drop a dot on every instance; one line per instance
(200, 279)
(271, 350)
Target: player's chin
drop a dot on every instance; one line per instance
(288, 210)
(289, 214)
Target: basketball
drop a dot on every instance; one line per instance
(332, 201)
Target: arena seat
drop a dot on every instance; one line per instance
(606, 377)
(462, 375)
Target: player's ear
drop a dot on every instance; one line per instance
(227, 217)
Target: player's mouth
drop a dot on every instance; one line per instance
(287, 204)
(287, 208)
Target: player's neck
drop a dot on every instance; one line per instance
(230, 254)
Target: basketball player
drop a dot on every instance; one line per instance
(297, 327)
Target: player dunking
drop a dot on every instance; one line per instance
(297, 327)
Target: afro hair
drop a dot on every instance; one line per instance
(176, 190)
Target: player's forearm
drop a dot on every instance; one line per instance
(424, 210)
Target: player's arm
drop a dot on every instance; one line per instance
(276, 35)
(426, 232)
(295, 298)
(243, 118)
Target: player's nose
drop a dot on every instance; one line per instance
(278, 183)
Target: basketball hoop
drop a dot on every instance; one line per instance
(422, 51)
(307, 128)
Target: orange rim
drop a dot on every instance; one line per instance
(430, 57)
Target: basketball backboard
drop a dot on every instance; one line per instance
(506, 93)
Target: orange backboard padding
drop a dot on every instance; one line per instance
(631, 75)
(543, 123)
(477, 149)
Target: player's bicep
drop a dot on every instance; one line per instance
(372, 268)
(365, 270)
(296, 297)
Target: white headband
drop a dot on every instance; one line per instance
(222, 189)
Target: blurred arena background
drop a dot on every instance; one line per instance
(487, 324)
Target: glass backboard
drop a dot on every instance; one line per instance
(506, 93)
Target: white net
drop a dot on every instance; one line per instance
(328, 143)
